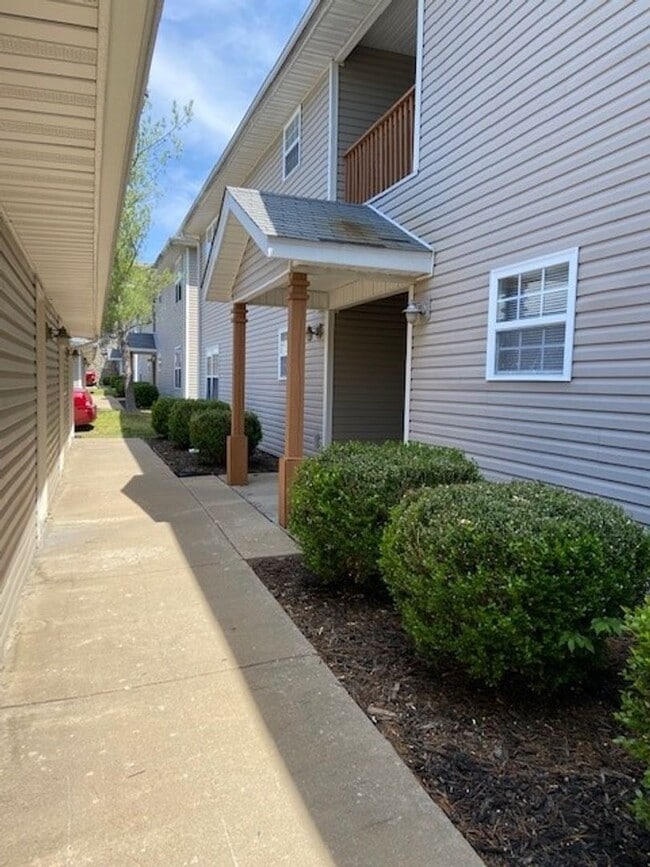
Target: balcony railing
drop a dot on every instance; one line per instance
(383, 155)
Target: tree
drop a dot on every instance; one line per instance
(133, 285)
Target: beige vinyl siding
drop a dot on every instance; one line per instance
(369, 371)
(310, 178)
(17, 425)
(53, 379)
(370, 81)
(534, 140)
(256, 270)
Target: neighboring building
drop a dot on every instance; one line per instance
(176, 324)
(510, 144)
(73, 77)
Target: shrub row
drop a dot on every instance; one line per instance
(201, 424)
(512, 581)
(341, 500)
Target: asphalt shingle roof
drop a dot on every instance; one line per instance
(141, 341)
(314, 220)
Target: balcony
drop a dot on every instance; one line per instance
(384, 153)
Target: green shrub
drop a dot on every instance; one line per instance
(635, 712)
(145, 394)
(515, 580)
(209, 429)
(117, 384)
(341, 499)
(160, 414)
(178, 423)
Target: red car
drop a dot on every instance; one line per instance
(91, 378)
(85, 411)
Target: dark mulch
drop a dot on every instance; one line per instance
(184, 463)
(528, 781)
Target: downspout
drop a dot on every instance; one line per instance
(409, 371)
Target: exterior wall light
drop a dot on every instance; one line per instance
(315, 331)
(416, 313)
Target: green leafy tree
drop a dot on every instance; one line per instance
(134, 285)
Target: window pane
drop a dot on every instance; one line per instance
(291, 159)
(556, 276)
(283, 367)
(507, 310)
(531, 281)
(508, 287)
(292, 131)
(531, 350)
(529, 305)
(555, 302)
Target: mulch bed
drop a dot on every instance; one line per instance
(184, 463)
(528, 781)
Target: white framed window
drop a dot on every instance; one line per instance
(291, 137)
(531, 319)
(178, 367)
(178, 285)
(283, 353)
(207, 242)
(212, 374)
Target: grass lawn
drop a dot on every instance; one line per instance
(117, 423)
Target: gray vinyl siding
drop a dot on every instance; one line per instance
(265, 394)
(192, 362)
(17, 425)
(310, 178)
(534, 140)
(170, 333)
(369, 371)
(370, 81)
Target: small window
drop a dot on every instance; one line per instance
(283, 351)
(291, 145)
(207, 242)
(178, 291)
(212, 374)
(531, 319)
(178, 367)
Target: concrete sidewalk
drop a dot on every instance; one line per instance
(159, 707)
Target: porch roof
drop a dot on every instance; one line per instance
(141, 341)
(311, 235)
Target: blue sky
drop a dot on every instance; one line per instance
(216, 53)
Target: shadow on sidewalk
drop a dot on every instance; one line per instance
(366, 805)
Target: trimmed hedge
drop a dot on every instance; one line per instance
(145, 394)
(116, 382)
(635, 708)
(178, 422)
(341, 500)
(209, 429)
(160, 414)
(515, 579)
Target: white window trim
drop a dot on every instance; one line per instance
(209, 352)
(282, 331)
(297, 113)
(568, 318)
(178, 352)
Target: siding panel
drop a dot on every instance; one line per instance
(17, 426)
(534, 139)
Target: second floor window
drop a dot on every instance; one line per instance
(291, 145)
(178, 291)
(178, 367)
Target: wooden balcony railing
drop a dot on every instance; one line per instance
(384, 154)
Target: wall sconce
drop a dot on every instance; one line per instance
(416, 313)
(315, 331)
(56, 333)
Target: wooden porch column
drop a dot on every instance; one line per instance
(237, 442)
(295, 412)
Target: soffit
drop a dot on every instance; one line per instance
(395, 29)
(71, 83)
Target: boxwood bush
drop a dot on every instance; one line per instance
(514, 580)
(178, 423)
(635, 711)
(160, 414)
(209, 429)
(145, 394)
(341, 499)
(117, 384)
